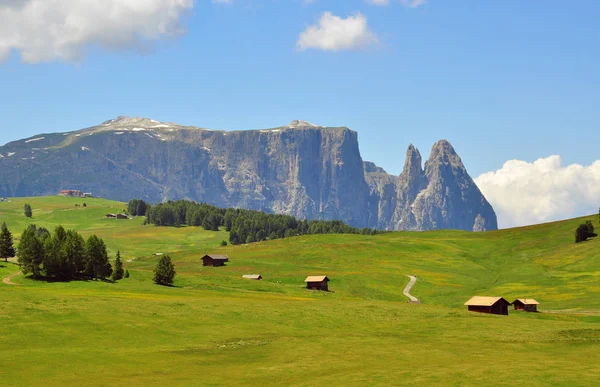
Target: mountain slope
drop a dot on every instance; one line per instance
(301, 169)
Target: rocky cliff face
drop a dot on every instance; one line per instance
(300, 169)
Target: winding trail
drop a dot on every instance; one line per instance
(8, 279)
(407, 289)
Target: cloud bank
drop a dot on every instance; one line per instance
(525, 193)
(334, 33)
(48, 30)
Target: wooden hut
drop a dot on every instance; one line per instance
(492, 305)
(110, 216)
(526, 304)
(122, 216)
(252, 276)
(214, 260)
(317, 282)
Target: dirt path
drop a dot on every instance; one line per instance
(8, 279)
(407, 289)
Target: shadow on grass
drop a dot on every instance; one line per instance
(42, 278)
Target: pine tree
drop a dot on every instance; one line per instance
(97, 265)
(126, 273)
(7, 249)
(28, 211)
(118, 272)
(31, 252)
(164, 273)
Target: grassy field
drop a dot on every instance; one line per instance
(214, 328)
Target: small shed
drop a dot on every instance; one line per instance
(492, 305)
(111, 216)
(214, 260)
(526, 304)
(317, 282)
(252, 276)
(122, 216)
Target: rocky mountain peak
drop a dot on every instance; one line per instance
(302, 124)
(443, 153)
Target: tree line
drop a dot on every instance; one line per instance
(137, 207)
(244, 226)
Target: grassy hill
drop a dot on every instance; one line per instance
(215, 328)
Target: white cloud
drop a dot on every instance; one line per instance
(378, 2)
(334, 33)
(47, 30)
(413, 3)
(525, 193)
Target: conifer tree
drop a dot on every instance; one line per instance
(7, 249)
(126, 273)
(118, 272)
(31, 252)
(164, 273)
(28, 211)
(97, 265)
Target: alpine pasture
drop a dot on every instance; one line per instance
(215, 328)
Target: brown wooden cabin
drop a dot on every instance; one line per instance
(111, 216)
(492, 305)
(526, 304)
(214, 260)
(317, 282)
(122, 216)
(252, 276)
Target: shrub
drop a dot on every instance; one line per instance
(223, 243)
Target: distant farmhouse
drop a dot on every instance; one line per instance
(252, 276)
(117, 216)
(75, 193)
(317, 282)
(4, 200)
(492, 305)
(214, 260)
(526, 304)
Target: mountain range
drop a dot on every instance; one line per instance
(301, 169)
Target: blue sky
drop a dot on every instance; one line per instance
(502, 80)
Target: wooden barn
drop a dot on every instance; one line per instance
(492, 305)
(122, 216)
(252, 276)
(526, 304)
(317, 282)
(214, 260)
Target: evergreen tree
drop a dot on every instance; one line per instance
(118, 272)
(7, 249)
(223, 243)
(126, 273)
(75, 253)
(28, 211)
(97, 265)
(54, 262)
(164, 273)
(31, 252)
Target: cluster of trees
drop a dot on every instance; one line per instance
(65, 255)
(244, 226)
(27, 210)
(137, 207)
(584, 231)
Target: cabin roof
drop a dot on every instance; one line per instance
(252, 276)
(217, 257)
(316, 278)
(483, 301)
(527, 301)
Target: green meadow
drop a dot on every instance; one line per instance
(215, 328)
